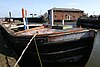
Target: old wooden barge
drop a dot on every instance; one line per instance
(55, 46)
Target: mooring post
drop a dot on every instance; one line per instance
(23, 15)
(26, 19)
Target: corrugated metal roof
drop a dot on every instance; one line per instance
(66, 9)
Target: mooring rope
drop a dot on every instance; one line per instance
(25, 50)
(38, 53)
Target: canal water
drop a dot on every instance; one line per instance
(94, 60)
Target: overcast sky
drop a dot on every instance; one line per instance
(41, 6)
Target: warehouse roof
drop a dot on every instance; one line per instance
(66, 9)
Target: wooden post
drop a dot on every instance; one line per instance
(51, 18)
(62, 19)
(23, 15)
(26, 19)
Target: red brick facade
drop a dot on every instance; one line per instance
(66, 15)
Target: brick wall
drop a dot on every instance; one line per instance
(59, 15)
(66, 15)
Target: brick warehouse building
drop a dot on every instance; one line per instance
(59, 15)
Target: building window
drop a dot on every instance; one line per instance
(55, 16)
(73, 17)
(67, 17)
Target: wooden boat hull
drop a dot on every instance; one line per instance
(65, 48)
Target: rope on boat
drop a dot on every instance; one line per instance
(38, 53)
(26, 49)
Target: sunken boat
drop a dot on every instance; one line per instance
(92, 21)
(72, 45)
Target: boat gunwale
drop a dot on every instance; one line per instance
(12, 33)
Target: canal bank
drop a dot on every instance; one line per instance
(7, 56)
